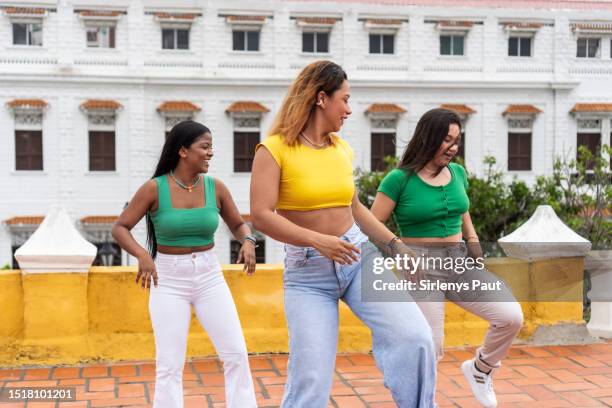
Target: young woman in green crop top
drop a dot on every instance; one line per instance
(182, 208)
(427, 195)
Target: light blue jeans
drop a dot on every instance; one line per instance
(402, 341)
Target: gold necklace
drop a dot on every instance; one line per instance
(184, 187)
(318, 146)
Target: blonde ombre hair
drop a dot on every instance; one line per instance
(300, 101)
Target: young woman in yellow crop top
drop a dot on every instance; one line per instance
(182, 207)
(303, 194)
(427, 195)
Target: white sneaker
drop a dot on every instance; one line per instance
(481, 384)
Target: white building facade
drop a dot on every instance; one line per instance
(89, 88)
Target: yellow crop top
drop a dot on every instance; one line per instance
(312, 178)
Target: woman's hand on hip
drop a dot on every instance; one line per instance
(146, 271)
(336, 249)
(247, 255)
(474, 249)
(409, 259)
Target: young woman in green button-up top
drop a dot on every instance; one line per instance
(427, 195)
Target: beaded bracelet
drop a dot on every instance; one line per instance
(392, 242)
(251, 239)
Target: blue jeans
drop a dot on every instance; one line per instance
(402, 341)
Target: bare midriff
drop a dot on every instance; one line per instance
(330, 221)
(432, 240)
(170, 250)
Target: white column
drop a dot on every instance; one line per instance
(282, 43)
(65, 40)
(136, 46)
(416, 52)
(563, 48)
(599, 265)
(491, 46)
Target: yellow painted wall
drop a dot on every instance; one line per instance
(11, 305)
(11, 315)
(54, 305)
(67, 318)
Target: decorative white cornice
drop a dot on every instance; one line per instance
(175, 20)
(101, 112)
(597, 27)
(591, 115)
(28, 113)
(462, 26)
(18, 14)
(245, 121)
(319, 23)
(382, 25)
(276, 82)
(247, 21)
(382, 122)
(521, 27)
(98, 17)
(173, 117)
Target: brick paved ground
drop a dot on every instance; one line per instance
(552, 376)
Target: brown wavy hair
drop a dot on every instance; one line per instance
(429, 134)
(300, 101)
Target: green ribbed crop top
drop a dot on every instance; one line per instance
(422, 210)
(185, 227)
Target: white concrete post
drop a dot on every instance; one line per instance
(599, 264)
(544, 236)
(56, 246)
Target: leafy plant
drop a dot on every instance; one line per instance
(497, 207)
(367, 185)
(580, 191)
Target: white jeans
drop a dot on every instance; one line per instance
(196, 279)
(499, 308)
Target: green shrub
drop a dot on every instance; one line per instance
(367, 184)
